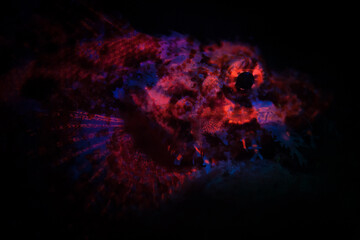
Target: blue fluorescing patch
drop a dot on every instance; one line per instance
(118, 93)
(150, 80)
(207, 167)
(142, 80)
(262, 104)
(266, 112)
(179, 59)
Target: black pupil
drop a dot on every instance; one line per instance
(244, 81)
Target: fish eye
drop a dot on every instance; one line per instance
(244, 80)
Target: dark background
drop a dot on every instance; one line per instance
(315, 42)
